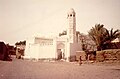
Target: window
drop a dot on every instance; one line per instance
(74, 15)
(68, 15)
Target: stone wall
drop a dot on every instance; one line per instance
(111, 54)
(82, 54)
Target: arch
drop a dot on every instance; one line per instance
(60, 51)
(60, 46)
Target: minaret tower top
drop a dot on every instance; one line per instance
(71, 11)
(71, 32)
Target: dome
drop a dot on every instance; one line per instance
(71, 11)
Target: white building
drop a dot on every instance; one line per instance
(59, 47)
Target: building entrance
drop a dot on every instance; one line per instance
(60, 51)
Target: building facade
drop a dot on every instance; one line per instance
(59, 47)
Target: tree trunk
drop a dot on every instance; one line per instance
(98, 48)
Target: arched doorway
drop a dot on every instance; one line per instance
(60, 51)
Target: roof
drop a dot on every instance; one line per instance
(71, 11)
(116, 40)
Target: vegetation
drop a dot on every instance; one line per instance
(111, 35)
(63, 33)
(4, 52)
(21, 43)
(83, 42)
(102, 36)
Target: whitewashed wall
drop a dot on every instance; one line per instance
(47, 51)
(28, 42)
(38, 51)
(33, 51)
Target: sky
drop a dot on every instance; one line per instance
(21, 19)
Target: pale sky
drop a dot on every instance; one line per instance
(20, 19)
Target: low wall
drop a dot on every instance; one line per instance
(111, 54)
(82, 54)
(72, 58)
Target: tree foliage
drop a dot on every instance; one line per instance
(63, 33)
(87, 43)
(21, 43)
(102, 36)
(111, 35)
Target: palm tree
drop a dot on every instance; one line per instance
(101, 36)
(97, 34)
(111, 35)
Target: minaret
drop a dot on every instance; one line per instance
(71, 32)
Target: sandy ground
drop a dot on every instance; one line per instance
(27, 69)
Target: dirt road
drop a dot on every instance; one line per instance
(26, 69)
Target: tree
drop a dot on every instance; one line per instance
(111, 35)
(21, 43)
(63, 33)
(87, 43)
(102, 36)
(83, 42)
(97, 34)
(4, 52)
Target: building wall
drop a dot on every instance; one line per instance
(28, 42)
(40, 50)
(44, 41)
(72, 50)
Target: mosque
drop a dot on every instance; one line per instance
(59, 47)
